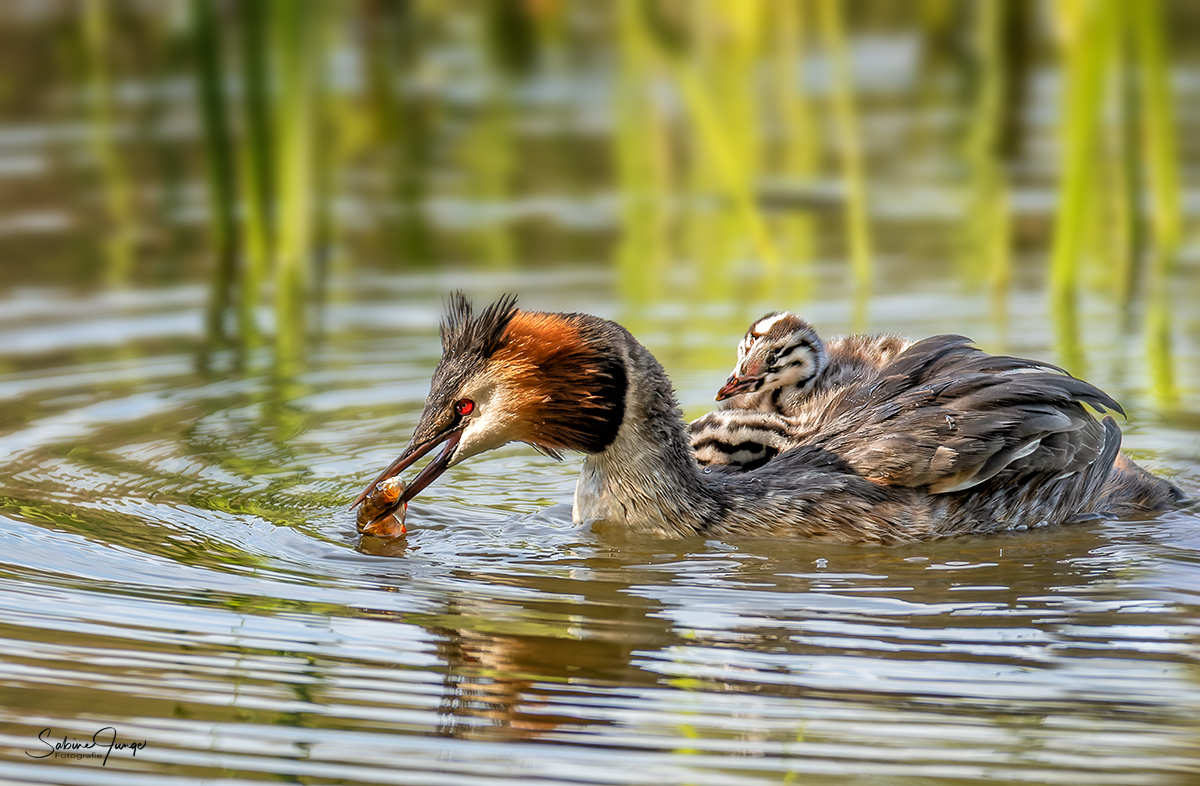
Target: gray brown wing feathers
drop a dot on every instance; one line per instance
(947, 416)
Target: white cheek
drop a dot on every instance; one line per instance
(492, 425)
(800, 355)
(792, 375)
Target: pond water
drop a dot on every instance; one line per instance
(178, 564)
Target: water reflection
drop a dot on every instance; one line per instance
(179, 563)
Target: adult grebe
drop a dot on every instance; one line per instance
(944, 439)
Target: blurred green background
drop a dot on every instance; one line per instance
(763, 153)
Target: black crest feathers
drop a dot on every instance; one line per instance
(462, 331)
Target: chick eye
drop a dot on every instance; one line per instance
(464, 406)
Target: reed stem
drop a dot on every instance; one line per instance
(256, 160)
(1126, 174)
(642, 162)
(799, 157)
(115, 181)
(737, 189)
(222, 197)
(298, 69)
(716, 71)
(845, 115)
(402, 124)
(1088, 48)
(988, 210)
(1162, 170)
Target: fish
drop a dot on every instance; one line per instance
(382, 513)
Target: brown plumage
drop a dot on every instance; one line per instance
(578, 387)
(943, 439)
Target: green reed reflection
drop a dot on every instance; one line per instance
(642, 154)
(829, 15)
(988, 210)
(1162, 167)
(256, 164)
(115, 180)
(1088, 30)
(705, 148)
(222, 186)
(298, 38)
(798, 151)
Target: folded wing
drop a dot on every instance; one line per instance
(947, 416)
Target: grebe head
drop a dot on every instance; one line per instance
(779, 350)
(551, 381)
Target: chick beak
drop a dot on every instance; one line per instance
(415, 450)
(736, 385)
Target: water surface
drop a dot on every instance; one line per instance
(178, 564)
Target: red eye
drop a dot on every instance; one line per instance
(465, 406)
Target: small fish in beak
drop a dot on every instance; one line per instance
(382, 512)
(387, 494)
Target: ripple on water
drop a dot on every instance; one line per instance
(179, 563)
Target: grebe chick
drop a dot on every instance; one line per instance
(779, 360)
(784, 373)
(945, 439)
(782, 364)
(744, 438)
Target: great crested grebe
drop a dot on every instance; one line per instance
(782, 362)
(783, 376)
(944, 439)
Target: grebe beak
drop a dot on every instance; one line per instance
(415, 450)
(736, 385)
